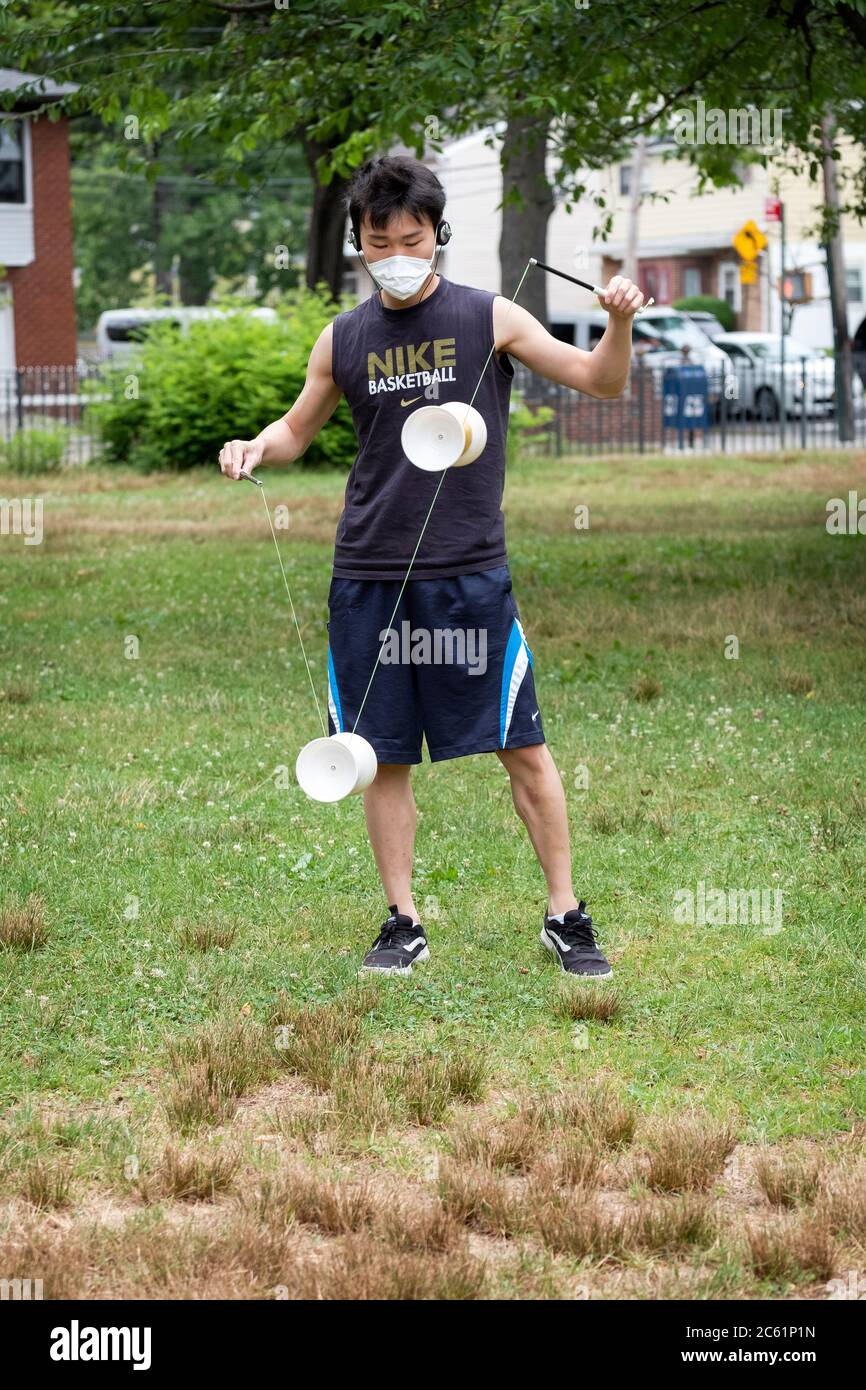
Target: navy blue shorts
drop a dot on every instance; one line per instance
(455, 667)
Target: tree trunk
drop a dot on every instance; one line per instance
(524, 228)
(161, 260)
(836, 277)
(327, 224)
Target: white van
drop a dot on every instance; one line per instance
(119, 330)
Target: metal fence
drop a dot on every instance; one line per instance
(42, 414)
(748, 409)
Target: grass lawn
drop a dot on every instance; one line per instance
(184, 887)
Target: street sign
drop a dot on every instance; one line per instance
(748, 273)
(750, 241)
(773, 209)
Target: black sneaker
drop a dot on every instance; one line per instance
(400, 943)
(573, 941)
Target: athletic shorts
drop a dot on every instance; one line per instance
(455, 667)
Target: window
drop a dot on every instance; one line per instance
(691, 280)
(626, 179)
(854, 284)
(655, 282)
(12, 162)
(729, 284)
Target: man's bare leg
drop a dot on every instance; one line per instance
(539, 799)
(389, 807)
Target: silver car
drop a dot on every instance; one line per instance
(757, 362)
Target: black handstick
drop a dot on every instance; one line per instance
(594, 289)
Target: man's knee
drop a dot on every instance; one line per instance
(525, 764)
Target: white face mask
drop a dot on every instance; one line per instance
(401, 276)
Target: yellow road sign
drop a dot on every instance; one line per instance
(750, 241)
(748, 272)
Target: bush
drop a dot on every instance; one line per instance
(37, 450)
(526, 426)
(182, 395)
(708, 304)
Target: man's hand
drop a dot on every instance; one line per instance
(240, 454)
(621, 298)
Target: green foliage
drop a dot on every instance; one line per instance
(37, 450)
(182, 395)
(525, 425)
(708, 304)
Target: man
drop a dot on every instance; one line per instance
(417, 340)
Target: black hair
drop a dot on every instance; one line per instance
(393, 184)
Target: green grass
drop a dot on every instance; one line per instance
(137, 796)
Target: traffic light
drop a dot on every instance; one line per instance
(796, 287)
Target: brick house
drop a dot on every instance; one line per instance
(37, 296)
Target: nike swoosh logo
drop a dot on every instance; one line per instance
(412, 402)
(558, 939)
(535, 716)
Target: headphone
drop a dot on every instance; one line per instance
(443, 235)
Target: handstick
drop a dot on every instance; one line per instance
(250, 479)
(594, 289)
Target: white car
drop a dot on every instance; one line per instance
(119, 330)
(809, 376)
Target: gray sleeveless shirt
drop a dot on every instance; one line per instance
(388, 362)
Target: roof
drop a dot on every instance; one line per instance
(35, 90)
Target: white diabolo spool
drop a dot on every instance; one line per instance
(432, 438)
(328, 769)
(437, 437)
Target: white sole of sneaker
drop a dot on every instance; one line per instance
(549, 946)
(394, 969)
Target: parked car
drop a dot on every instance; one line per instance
(659, 335)
(118, 330)
(707, 322)
(757, 360)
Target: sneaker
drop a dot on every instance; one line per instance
(400, 943)
(573, 941)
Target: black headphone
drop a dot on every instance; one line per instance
(443, 235)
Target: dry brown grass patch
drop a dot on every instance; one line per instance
(784, 1249)
(841, 1202)
(510, 1144)
(190, 1175)
(475, 1196)
(685, 1153)
(207, 936)
(313, 1199)
(593, 1109)
(576, 1001)
(790, 1177)
(212, 1069)
(22, 925)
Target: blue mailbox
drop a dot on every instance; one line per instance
(686, 398)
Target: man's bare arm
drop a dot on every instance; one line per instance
(287, 438)
(602, 373)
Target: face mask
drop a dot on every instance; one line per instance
(401, 276)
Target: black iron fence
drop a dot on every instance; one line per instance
(43, 422)
(741, 407)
